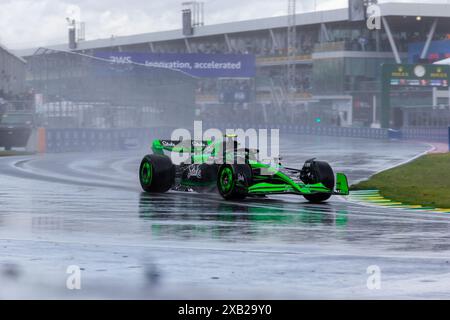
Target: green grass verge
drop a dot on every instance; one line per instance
(425, 181)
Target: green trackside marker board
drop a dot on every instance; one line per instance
(409, 75)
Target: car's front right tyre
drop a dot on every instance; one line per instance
(325, 175)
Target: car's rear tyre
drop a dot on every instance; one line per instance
(325, 175)
(233, 181)
(156, 174)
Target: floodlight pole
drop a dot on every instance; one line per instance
(391, 40)
(429, 38)
(292, 42)
(198, 12)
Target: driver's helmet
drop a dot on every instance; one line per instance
(231, 142)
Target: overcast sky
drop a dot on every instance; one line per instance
(31, 23)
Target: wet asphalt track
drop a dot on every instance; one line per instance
(88, 210)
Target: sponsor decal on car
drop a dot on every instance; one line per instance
(194, 172)
(168, 144)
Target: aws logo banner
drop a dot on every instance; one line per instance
(195, 64)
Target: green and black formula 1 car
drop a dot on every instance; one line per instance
(235, 172)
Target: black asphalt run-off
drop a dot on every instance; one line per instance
(88, 210)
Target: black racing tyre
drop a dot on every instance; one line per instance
(325, 175)
(318, 197)
(156, 173)
(233, 181)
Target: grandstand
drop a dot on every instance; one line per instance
(337, 63)
(12, 80)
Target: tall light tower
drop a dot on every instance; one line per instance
(72, 29)
(291, 43)
(198, 12)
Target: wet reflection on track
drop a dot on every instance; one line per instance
(250, 220)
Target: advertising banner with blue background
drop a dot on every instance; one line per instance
(438, 50)
(197, 65)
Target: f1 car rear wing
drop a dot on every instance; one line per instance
(187, 146)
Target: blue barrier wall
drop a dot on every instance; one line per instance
(426, 134)
(306, 130)
(92, 140)
(422, 134)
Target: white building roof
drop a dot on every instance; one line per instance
(303, 19)
(3, 48)
(445, 61)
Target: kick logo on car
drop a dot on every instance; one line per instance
(194, 172)
(168, 143)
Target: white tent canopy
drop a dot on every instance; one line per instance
(445, 61)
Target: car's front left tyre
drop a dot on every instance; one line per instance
(156, 174)
(233, 180)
